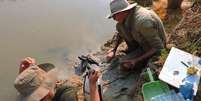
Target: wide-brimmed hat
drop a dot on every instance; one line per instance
(117, 6)
(33, 84)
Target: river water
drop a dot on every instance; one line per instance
(55, 31)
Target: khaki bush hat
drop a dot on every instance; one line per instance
(33, 84)
(117, 6)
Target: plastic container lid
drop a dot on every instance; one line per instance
(188, 100)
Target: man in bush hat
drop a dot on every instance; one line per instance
(141, 29)
(34, 84)
(38, 83)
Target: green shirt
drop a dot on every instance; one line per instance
(142, 27)
(66, 93)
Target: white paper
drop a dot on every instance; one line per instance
(173, 64)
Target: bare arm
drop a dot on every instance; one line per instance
(146, 55)
(111, 53)
(117, 40)
(94, 96)
(93, 77)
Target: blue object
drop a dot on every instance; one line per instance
(168, 96)
(187, 90)
(199, 61)
(188, 100)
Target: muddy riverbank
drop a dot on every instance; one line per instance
(183, 30)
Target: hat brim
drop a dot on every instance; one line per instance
(46, 66)
(47, 86)
(125, 9)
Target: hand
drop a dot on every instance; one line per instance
(132, 62)
(93, 77)
(25, 63)
(128, 63)
(110, 55)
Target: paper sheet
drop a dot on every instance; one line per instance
(174, 72)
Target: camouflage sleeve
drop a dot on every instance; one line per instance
(150, 33)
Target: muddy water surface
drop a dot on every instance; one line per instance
(53, 31)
